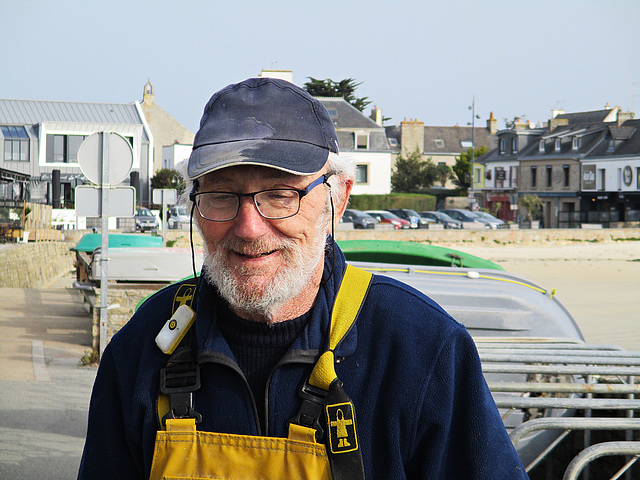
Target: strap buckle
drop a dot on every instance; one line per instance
(312, 408)
(179, 381)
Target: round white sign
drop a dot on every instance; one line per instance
(119, 161)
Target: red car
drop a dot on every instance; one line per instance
(387, 217)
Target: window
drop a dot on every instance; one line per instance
(566, 170)
(362, 141)
(541, 145)
(63, 148)
(439, 142)
(362, 174)
(558, 144)
(513, 176)
(575, 144)
(601, 183)
(549, 175)
(501, 146)
(332, 112)
(16, 144)
(393, 142)
(514, 145)
(534, 177)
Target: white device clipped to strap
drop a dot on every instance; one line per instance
(175, 329)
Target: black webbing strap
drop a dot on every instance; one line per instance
(181, 377)
(325, 405)
(345, 455)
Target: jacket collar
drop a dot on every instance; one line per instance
(316, 334)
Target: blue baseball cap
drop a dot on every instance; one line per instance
(263, 121)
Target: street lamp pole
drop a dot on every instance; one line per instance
(472, 197)
(473, 141)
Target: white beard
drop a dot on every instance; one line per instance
(245, 290)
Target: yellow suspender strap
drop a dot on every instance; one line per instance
(351, 295)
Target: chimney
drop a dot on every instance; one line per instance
(376, 115)
(557, 122)
(492, 124)
(286, 75)
(412, 136)
(624, 116)
(520, 124)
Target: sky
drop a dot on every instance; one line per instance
(417, 59)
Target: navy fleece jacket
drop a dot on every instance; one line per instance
(424, 410)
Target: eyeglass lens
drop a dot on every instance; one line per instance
(221, 206)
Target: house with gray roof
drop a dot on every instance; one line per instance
(583, 166)
(443, 145)
(39, 138)
(365, 141)
(43, 137)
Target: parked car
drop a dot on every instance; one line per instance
(497, 221)
(383, 216)
(359, 219)
(467, 216)
(412, 216)
(442, 218)
(178, 217)
(145, 220)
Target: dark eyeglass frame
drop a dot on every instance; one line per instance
(194, 194)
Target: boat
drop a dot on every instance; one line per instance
(390, 251)
(90, 241)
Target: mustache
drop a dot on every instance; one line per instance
(255, 248)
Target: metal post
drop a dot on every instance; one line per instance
(164, 219)
(104, 251)
(473, 145)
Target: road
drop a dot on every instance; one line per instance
(44, 393)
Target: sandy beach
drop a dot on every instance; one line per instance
(599, 283)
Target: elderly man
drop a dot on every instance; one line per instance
(280, 361)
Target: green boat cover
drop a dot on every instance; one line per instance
(409, 253)
(90, 241)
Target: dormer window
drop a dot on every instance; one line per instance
(514, 145)
(541, 145)
(362, 141)
(558, 144)
(575, 143)
(501, 146)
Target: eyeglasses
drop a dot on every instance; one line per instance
(273, 204)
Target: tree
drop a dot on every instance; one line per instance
(344, 88)
(443, 173)
(462, 167)
(168, 178)
(412, 173)
(531, 203)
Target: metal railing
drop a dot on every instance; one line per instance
(566, 386)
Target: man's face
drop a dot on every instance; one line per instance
(258, 264)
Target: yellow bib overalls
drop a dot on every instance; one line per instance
(182, 452)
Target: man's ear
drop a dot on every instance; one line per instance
(341, 204)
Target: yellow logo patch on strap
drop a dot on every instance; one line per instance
(342, 428)
(184, 295)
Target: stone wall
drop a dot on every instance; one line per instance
(122, 303)
(34, 265)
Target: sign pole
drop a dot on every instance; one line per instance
(164, 220)
(104, 252)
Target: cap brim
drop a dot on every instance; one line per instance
(294, 157)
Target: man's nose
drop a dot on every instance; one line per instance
(249, 224)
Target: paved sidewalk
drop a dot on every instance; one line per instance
(44, 393)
